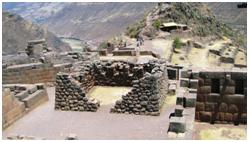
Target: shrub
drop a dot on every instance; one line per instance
(133, 30)
(157, 24)
(177, 43)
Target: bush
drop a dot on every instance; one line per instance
(177, 43)
(135, 29)
(157, 24)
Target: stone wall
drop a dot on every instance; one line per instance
(150, 78)
(31, 73)
(12, 108)
(221, 97)
(18, 99)
(148, 92)
(70, 96)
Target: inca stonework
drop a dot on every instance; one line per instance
(221, 97)
(148, 81)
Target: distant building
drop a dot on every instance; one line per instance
(168, 27)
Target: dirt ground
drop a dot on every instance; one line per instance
(108, 95)
(206, 131)
(45, 122)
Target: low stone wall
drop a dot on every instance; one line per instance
(150, 77)
(124, 53)
(18, 99)
(70, 96)
(12, 108)
(147, 95)
(32, 73)
(221, 97)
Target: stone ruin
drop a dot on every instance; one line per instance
(32, 51)
(221, 97)
(18, 99)
(148, 81)
(208, 96)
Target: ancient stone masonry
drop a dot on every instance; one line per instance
(182, 119)
(149, 82)
(70, 96)
(32, 73)
(221, 97)
(147, 95)
(19, 99)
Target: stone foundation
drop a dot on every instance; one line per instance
(18, 99)
(149, 82)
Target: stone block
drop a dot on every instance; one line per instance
(235, 99)
(178, 110)
(191, 90)
(201, 97)
(193, 83)
(184, 82)
(32, 89)
(210, 107)
(179, 100)
(185, 73)
(243, 118)
(205, 116)
(223, 107)
(228, 90)
(200, 106)
(228, 117)
(213, 97)
(204, 89)
(191, 99)
(207, 82)
(33, 99)
(233, 109)
(22, 95)
(177, 124)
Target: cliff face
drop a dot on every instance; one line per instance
(17, 31)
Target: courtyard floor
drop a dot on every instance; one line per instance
(45, 122)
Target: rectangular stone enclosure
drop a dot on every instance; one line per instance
(149, 82)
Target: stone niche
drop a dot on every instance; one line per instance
(149, 82)
(221, 97)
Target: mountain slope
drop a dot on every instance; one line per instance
(197, 16)
(17, 31)
(230, 14)
(88, 21)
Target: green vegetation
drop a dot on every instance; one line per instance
(157, 24)
(177, 43)
(133, 30)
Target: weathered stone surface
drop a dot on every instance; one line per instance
(178, 110)
(193, 83)
(191, 100)
(177, 125)
(184, 82)
(148, 81)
